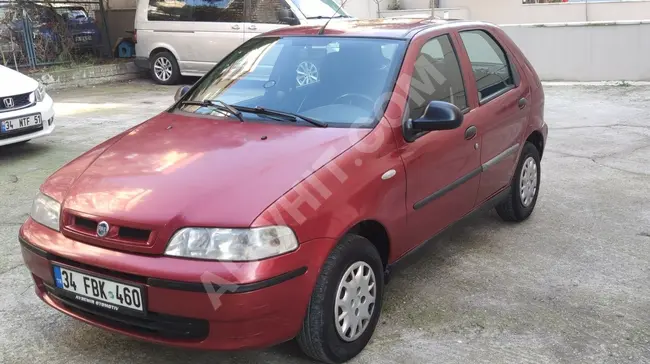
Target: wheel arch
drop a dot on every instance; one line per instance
(537, 139)
(377, 234)
(163, 48)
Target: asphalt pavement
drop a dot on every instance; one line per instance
(570, 285)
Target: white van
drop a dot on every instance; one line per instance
(188, 37)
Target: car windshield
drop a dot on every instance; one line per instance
(337, 80)
(319, 8)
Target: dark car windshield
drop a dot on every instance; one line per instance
(337, 80)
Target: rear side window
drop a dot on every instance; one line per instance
(436, 77)
(490, 65)
(228, 11)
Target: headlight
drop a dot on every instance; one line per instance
(45, 211)
(40, 93)
(232, 244)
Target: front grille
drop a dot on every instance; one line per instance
(120, 234)
(153, 324)
(19, 101)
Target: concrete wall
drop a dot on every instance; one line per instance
(365, 9)
(605, 51)
(442, 13)
(514, 12)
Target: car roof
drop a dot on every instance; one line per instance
(403, 27)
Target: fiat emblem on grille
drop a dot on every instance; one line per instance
(102, 229)
(9, 102)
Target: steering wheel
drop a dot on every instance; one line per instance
(361, 97)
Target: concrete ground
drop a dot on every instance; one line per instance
(571, 284)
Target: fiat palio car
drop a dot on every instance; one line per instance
(269, 203)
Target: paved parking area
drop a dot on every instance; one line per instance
(572, 284)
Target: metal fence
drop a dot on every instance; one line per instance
(43, 33)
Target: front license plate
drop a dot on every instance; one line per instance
(100, 292)
(83, 38)
(10, 125)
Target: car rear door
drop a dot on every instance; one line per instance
(502, 110)
(442, 167)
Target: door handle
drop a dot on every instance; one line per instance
(522, 102)
(252, 27)
(470, 132)
(236, 27)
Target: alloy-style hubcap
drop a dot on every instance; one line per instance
(528, 182)
(355, 301)
(163, 68)
(306, 73)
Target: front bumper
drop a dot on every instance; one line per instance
(45, 108)
(252, 305)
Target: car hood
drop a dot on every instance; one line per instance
(177, 170)
(15, 83)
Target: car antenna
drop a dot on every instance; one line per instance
(322, 29)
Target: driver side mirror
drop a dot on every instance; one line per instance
(285, 15)
(439, 115)
(181, 92)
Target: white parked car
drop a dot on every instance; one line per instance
(26, 110)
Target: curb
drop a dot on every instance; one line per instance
(86, 76)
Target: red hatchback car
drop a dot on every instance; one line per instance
(272, 199)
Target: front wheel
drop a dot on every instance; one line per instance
(345, 304)
(525, 187)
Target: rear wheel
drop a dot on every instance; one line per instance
(164, 68)
(345, 304)
(525, 187)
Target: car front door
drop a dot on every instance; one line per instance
(502, 96)
(442, 167)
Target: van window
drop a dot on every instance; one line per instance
(229, 11)
(266, 11)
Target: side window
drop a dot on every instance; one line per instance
(270, 11)
(196, 10)
(489, 63)
(227, 11)
(166, 10)
(436, 77)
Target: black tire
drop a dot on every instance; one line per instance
(318, 337)
(176, 73)
(513, 208)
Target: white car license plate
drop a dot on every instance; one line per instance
(103, 293)
(10, 125)
(83, 38)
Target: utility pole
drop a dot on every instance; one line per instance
(433, 8)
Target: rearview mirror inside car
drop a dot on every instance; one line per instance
(181, 91)
(439, 115)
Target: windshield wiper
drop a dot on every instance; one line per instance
(286, 115)
(218, 104)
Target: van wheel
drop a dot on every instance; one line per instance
(345, 304)
(525, 187)
(164, 68)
